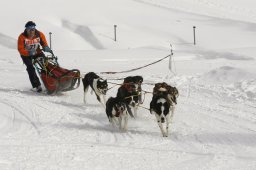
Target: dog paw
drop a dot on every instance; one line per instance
(165, 135)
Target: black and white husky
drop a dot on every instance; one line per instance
(129, 94)
(117, 113)
(137, 81)
(163, 110)
(97, 84)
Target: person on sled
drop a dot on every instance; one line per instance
(29, 43)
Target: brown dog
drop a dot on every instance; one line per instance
(171, 92)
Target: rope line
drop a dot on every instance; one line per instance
(126, 71)
(144, 107)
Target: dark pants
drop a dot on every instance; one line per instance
(35, 82)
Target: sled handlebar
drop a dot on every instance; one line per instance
(52, 57)
(48, 52)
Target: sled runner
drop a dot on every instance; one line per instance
(55, 78)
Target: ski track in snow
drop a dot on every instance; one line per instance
(86, 126)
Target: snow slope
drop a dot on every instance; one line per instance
(214, 125)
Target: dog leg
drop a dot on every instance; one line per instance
(168, 121)
(129, 110)
(114, 121)
(109, 117)
(135, 110)
(103, 105)
(104, 99)
(85, 92)
(140, 98)
(125, 120)
(120, 122)
(172, 111)
(160, 124)
(117, 122)
(98, 98)
(169, 118)
(92, 92)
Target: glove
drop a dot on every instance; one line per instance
(32, 52)
(47, 49)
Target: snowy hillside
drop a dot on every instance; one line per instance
(214, 125)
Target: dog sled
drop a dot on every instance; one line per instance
(55, 78)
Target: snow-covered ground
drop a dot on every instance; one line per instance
(214, 126)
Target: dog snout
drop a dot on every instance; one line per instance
(174, 100)
(162, 119)
(122, 108)
(104, 91)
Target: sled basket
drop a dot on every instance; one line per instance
(55, 78)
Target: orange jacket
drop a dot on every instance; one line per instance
(25, 44)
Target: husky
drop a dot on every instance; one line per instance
(163, 104)
(98, 85)
(163, 110)
(116, 109)
(129, 94)
(164, 89)
(137, 80)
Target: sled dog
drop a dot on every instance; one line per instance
(171, 92)
(98, 85)
(129, 94)
(163, 110)
(137, 80)
(116, 109)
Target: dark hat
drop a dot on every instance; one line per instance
(30, 24)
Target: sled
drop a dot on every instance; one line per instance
(55, 78)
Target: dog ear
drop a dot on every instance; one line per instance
(105, 82)
(176, 92)
(141, 79)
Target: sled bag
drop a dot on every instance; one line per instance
(58, 79)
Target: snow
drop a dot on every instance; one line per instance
(214, 124)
